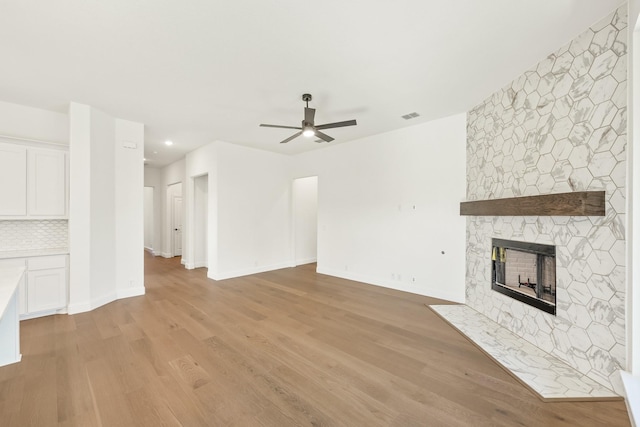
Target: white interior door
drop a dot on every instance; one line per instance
(177, 226)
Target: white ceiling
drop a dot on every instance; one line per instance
(197, 71)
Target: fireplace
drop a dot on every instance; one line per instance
(525, 271)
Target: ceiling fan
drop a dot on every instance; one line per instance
(308, 127)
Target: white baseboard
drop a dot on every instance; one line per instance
(192, 265)
(632, 393)
(150, 250)
(248, 271)
(81, 307)
(306, 261)
(431, 291)
(43, 313)
(166, 254)
(106, 299)
(130, 292)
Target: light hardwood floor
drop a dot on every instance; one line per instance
(283, 348)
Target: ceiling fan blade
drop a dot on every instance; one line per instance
(281, 127)
(337, 124)
(323, 136)
(297, 134)
(309, 114)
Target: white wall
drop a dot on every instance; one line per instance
(305, 220)
(105, 209)
(248, 209)
(368, 228)
(129, 215)
(102, 227)
(20, 121)
(254, 199)
(200, 220)
(79, 208)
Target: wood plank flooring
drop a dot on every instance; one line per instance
(282, 348)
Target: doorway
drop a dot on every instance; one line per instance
(148, 220)
(305, 220)
(200, 221)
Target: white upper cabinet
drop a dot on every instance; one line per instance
(46, 184)
(13, 180)
(33, 182)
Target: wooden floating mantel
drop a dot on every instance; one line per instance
(579, 203)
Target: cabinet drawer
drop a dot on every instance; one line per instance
(47, 262)
(12, 263)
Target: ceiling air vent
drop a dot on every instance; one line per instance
(411, 116)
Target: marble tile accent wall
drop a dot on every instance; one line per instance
(559, 127)
(33, 234)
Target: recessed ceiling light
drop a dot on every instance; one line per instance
(155, 152)
(167, 142)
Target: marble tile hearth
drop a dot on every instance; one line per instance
(545, 374)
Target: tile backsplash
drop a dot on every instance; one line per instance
(33, 234)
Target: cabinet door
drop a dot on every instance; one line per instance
(13, 180)
(47, 186)
(46, 289)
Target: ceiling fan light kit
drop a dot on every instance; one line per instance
(308, 127)
(308, 132)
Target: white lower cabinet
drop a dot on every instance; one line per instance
(43, 289)
(46, 290)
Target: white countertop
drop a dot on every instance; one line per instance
(33, 252)
(9, 280)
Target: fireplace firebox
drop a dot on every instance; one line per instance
(525, 271)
